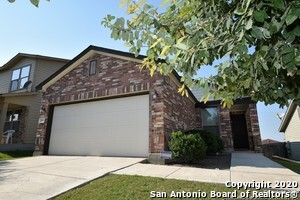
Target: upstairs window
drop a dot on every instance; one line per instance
(210, 120)
(92, 68)
(19, 78)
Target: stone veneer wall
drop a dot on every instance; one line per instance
(225, 128)
(255, 127)
(19, 137)
(115, 77)
(249, 129)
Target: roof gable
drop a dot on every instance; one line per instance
(17, 58)
(91, 50)
(88, 52)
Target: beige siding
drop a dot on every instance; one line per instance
(5, 76)
(4, 81)
(292, 135)
(45, 68)
(40, 70)
(33, 104)
(292, 132)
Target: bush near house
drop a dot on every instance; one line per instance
(214, 143)
(187, 147)
(220, 144)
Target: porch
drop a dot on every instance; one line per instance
(240, 127)
(12, 117)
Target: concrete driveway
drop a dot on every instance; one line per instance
(43, 177)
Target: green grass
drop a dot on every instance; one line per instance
(8, 155)
(290, 165)
(137, 187)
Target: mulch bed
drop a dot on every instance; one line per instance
(221, 161)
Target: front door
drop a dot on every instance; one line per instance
(239, 132)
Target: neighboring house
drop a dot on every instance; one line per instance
(101, 103)
(20, 103)
(290, 125)
(269, 141)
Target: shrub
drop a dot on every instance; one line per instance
(214, 143)
(220, 144)
(187, 147)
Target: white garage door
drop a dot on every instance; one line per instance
(115, 127)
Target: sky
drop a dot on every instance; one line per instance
(65, 28)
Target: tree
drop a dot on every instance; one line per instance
(189, 34)
(34, 2)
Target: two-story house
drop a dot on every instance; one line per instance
(20, 103)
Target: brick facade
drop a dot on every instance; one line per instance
(168, 110)
(253, 117)
(225, 128)
(180, 112)
(250, 112)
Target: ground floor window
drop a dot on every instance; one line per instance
(210, 120)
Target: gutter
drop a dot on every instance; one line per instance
(19, 94)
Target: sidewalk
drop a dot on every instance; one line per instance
(175, 172)
(245, 167)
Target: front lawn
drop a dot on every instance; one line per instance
(8, 155)
(138, 187)
(290, 165)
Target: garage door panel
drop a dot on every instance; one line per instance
(117, 127)
(132, 124)
(107, 119)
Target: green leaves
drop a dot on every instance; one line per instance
(191, 34)
(275, 27)
(290, 18)
(289, 57)
(260, 16)
(165, 50)
(182, 46)
(256, 32)
(203, 53)
(249, 24)
(247, 83)
(33, 2)
(278, 4)
(296, 31)
(110, 17)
